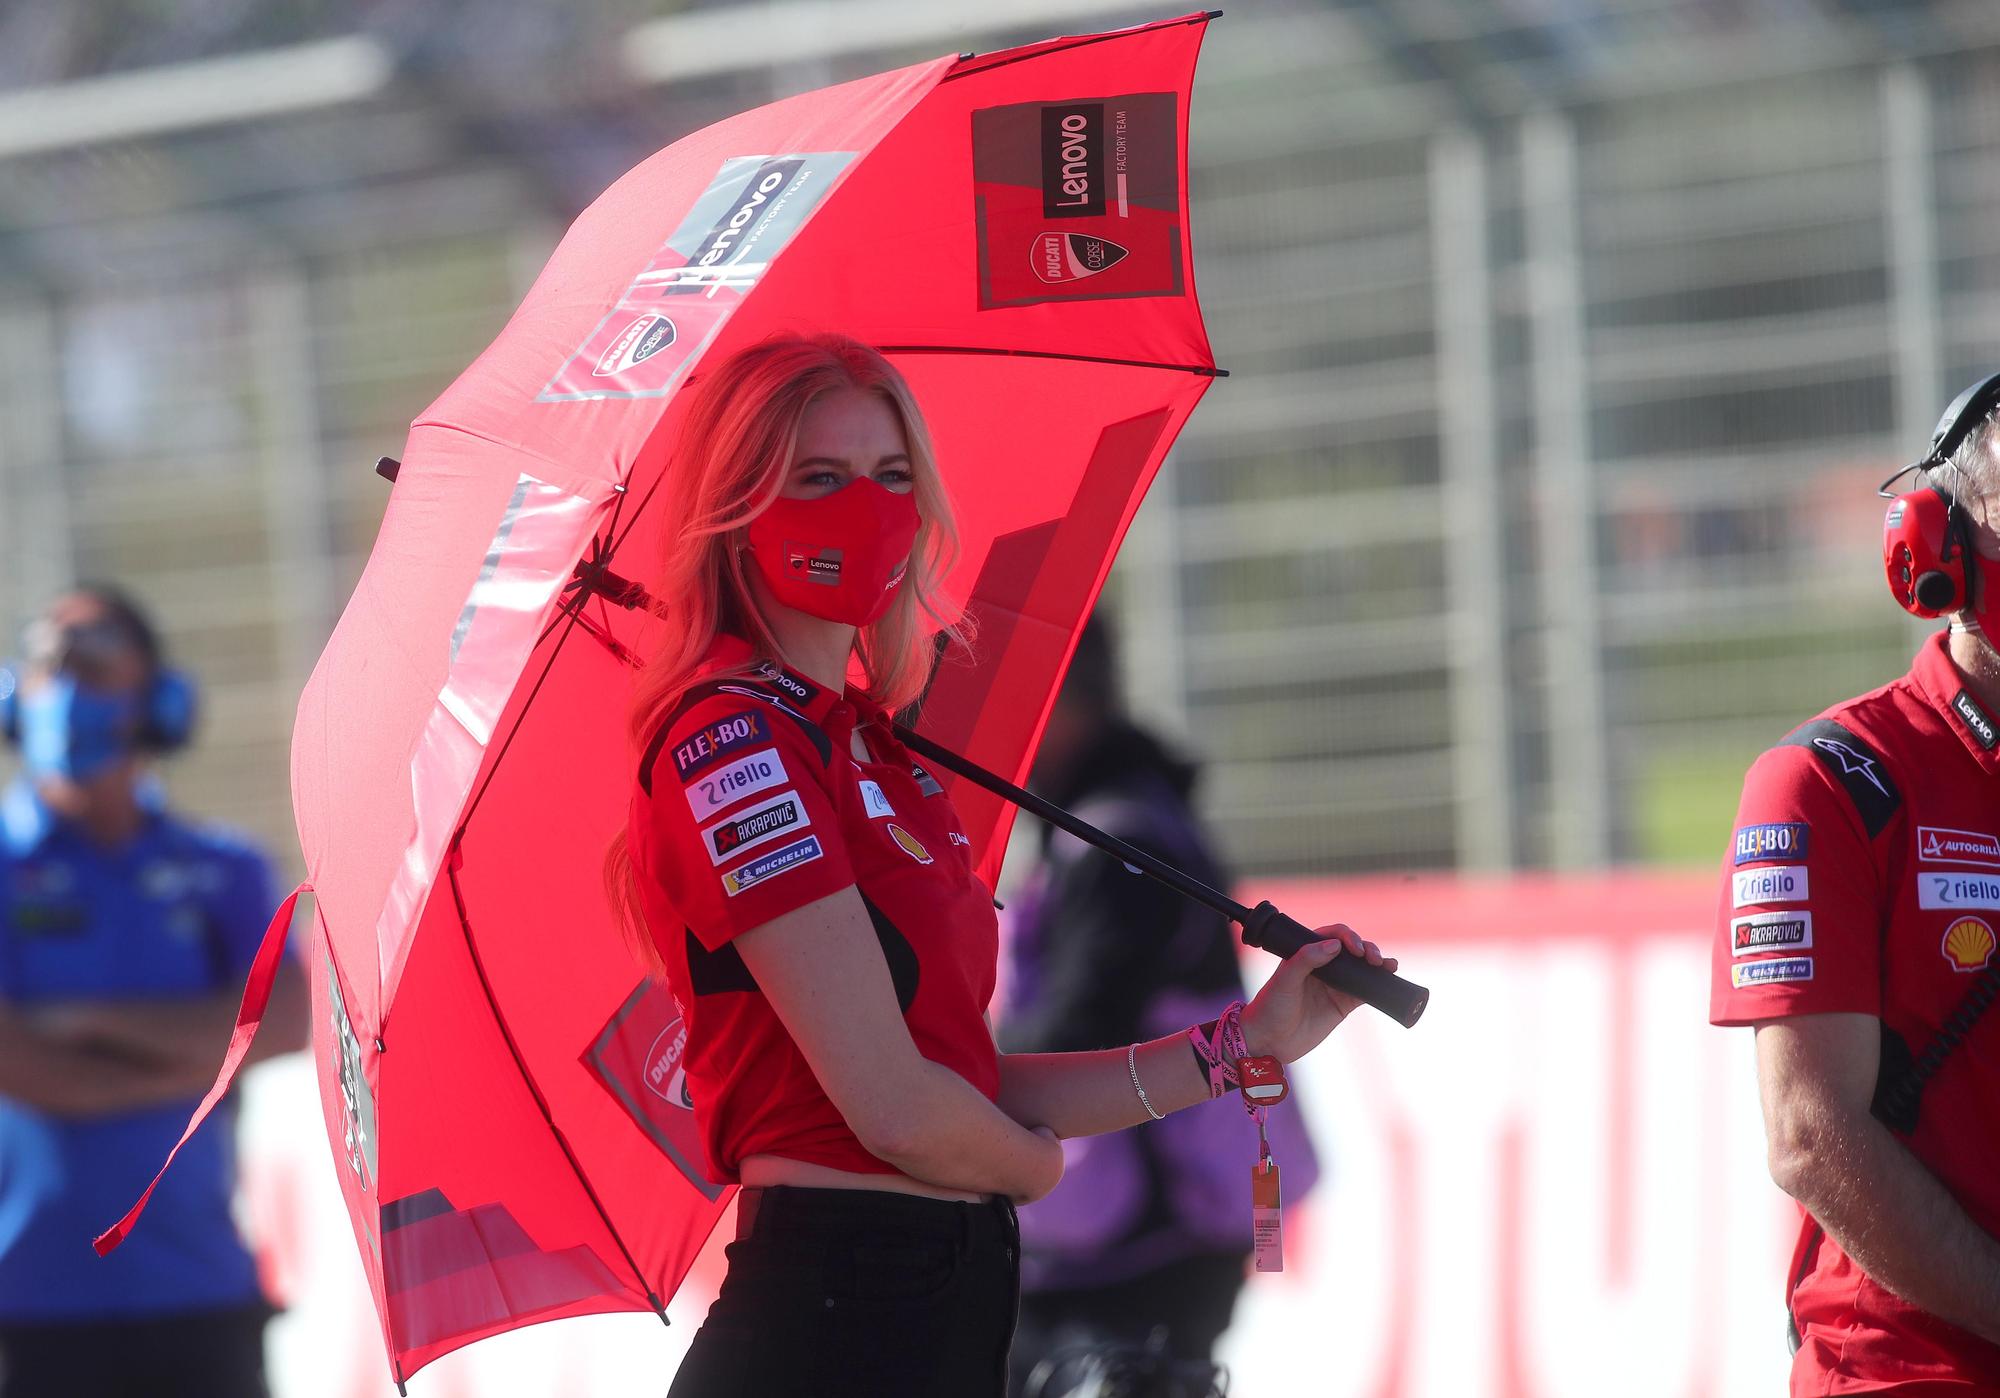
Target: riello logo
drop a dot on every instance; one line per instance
(1073, 160)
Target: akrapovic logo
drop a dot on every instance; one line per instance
(765, 822)
(725, 241)
(1770, 932)
(636, 343)
(1073, 160)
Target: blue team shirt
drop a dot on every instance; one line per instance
(178, 912)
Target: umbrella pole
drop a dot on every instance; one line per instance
(1263, 926)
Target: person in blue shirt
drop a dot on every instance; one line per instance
(126, 934)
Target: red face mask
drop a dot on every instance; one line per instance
(839, 557)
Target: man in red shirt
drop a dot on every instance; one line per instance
(1859, 934)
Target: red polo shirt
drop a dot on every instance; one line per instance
(1864, 877)
(752, 801)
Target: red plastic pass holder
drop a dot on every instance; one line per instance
(1262, 1079)
(1266, 1230)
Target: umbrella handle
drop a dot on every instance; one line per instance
(1403, 1001)
(1263, 927)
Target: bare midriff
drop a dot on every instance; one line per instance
(757, 1171)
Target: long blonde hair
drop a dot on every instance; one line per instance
(735, 446)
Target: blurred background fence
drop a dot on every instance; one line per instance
(1568, 338)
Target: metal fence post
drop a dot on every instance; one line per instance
(1474, 507)
(34, 484)
(1580, 808)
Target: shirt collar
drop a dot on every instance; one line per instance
(1940, 680)
(807, 696)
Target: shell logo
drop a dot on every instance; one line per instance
(911, 845)
(1969, 944)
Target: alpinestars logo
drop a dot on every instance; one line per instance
(1851, 762)
(636, 343)
(1073, 160)
(1070, 257)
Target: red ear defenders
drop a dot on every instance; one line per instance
(1926, 535)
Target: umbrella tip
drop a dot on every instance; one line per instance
(387, 468)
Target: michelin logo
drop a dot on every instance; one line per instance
(776, 862)
(1790, 968)
(1777, 883)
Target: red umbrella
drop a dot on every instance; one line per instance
(499, 1081)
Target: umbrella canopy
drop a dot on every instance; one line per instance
(500, 1083)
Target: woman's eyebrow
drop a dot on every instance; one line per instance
(841, 461)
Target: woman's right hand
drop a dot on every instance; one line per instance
(1048, 1163)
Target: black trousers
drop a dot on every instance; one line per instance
(197, 1354)
(840, 1292)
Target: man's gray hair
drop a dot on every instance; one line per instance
(1974, 472)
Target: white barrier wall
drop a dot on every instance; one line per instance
(1554, 1185)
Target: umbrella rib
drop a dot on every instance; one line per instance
(1206, 371)
(452, 861)
(534, 1088)
(970, 65)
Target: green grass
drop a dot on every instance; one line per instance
(1684, 804)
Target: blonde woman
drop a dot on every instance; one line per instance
(806, 890)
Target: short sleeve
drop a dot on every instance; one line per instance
(1799, 928)
(735, 818)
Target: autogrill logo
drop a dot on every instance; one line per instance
(1939, 845)
(1073, 160)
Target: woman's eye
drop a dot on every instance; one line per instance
(821, 477)
(896, 475)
